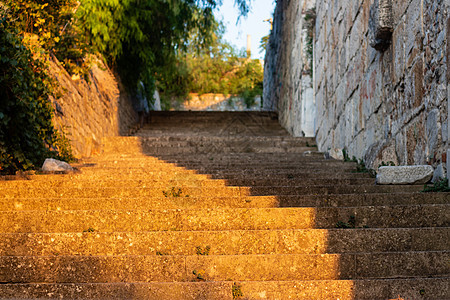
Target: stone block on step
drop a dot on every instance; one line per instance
(405, 174)
(54, 165)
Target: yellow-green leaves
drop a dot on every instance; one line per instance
(26, 129)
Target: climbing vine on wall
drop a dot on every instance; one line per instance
(27, 135)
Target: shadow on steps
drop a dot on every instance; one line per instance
(280, 223)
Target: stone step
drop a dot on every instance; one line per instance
(205, 132)
(179, 118)
(81, 182)
(252, 170)
(258, 157)
(355, 200)
(168, 268)
(290, 175)
(201, 131)
(216, 167)
(407, 288)
(207, 139)
(142, 203)
(174, 150)
(241, 157)
(209, 161)
(177, 191)
(148, 161)
(249, 157)
(325, 190)
(255, 157)
(215, 125)
(214, 145)
(141, 175)
(213, 164)
(235, 242)
(434, 215)
(299, 182)
(138, 174)
(195, 190)
(213, 128)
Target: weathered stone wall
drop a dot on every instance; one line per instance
(383, 106)
(90, 110)
(287, 83)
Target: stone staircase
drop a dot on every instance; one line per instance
(220, 206)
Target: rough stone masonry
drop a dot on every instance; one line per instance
(288, 84)
(380, 91)
(91, 110)
(386, 105)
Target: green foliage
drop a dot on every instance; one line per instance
(236, 291)
(347, 158)
(439, 186)
(351, 223)
(52, 24)
(214, 68)
(200, 275)
(387, 164)
(141, 38)
(264, 42)
(219, 69)
(27, 136)
(202, 251)
(174, 193)
(90, 230)
(361, 166)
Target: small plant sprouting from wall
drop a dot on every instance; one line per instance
(347, 158)
(387, 164)
(439, 186)
(361, 166)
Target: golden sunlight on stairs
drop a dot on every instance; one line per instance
(219, 206)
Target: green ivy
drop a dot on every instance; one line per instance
(440, 185)
(55, 28)
(27, 135)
